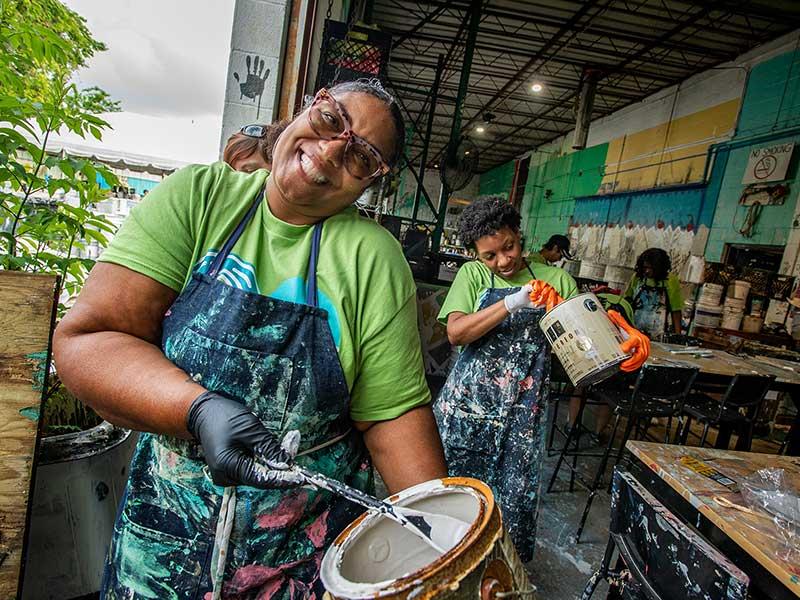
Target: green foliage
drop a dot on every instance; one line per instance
(42, 44)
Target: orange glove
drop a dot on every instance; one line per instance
(544, 294)
(637, 345)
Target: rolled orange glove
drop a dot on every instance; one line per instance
(637, 344)
(544, 294)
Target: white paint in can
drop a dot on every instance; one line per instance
(584, 339)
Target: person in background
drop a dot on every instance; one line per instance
(556, 248)
(250, 148)
(231, 312)
(492, 407)
(655, 294)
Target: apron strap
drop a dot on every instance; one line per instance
(311, 286)
(222, 255)
(527, 266)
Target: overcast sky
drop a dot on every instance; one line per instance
(166, 63)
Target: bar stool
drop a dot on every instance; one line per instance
(658, 391)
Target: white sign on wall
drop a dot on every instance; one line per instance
(769, 163)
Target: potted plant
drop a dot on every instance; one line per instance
(47, 224)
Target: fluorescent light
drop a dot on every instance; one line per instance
(537, 87)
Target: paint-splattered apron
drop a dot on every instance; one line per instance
(490, 414)
(279, 359)
(650, 309)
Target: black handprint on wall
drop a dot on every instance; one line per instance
(253, 86)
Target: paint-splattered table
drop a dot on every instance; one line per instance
(718, 365)
(751, 541)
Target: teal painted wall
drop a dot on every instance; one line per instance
(549, 201)
(771, 106)
(497, 182)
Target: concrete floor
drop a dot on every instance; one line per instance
(561, 567)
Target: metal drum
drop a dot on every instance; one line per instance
(584, 339)
(377, 558)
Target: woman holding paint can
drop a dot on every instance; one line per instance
(233, 308)
(655, 294)
(492, 407)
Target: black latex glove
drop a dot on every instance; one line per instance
(231, 436)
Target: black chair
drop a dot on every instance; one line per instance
(660, 557)
(737, 409)
(658, 391)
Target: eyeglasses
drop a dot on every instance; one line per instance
(254, 131)
(328, 120)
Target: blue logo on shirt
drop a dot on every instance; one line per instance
(241, 274)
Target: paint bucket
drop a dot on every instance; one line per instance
(695, 269)
(752, 324)
(739, 289)
(707, 315)
(584, 339)
(592, 270)
(731, 320)
(711, 295)
(616, 274)
(80, 479)
(375, 557)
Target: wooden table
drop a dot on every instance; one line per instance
(724, 365)
(749, 540)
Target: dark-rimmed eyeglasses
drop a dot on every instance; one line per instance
(329, 121)
(254, 131)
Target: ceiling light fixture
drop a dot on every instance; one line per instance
(537, 87)
(480, 129)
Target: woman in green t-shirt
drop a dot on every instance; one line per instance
(231, 312)
(491, 409)
(655, 294)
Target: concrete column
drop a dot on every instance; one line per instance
(254, 69)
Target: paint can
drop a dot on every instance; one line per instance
(584, 339)
(707, 315)
(375, 557)
(592, 270)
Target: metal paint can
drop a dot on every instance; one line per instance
(375, 558)
(584, 339)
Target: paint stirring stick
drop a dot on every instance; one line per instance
(416, 524)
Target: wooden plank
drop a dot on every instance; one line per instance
(756, 534)
(26, 315)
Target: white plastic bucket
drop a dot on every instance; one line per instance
(711, 294)
(592, 270)
(707, 315)
(752, 324)
(734, 304)
(731, 320)
(739, 289)
(584, 339)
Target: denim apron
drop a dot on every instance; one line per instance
(650, 309)
(491, 414)
(279, 359)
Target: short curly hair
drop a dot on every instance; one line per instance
(487, 217)
(658, 259)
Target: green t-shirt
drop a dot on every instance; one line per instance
(474, 279)
(672, 285)
(363, 280)
(536, 257)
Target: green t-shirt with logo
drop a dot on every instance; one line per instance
(363, 280)
(474, 280)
